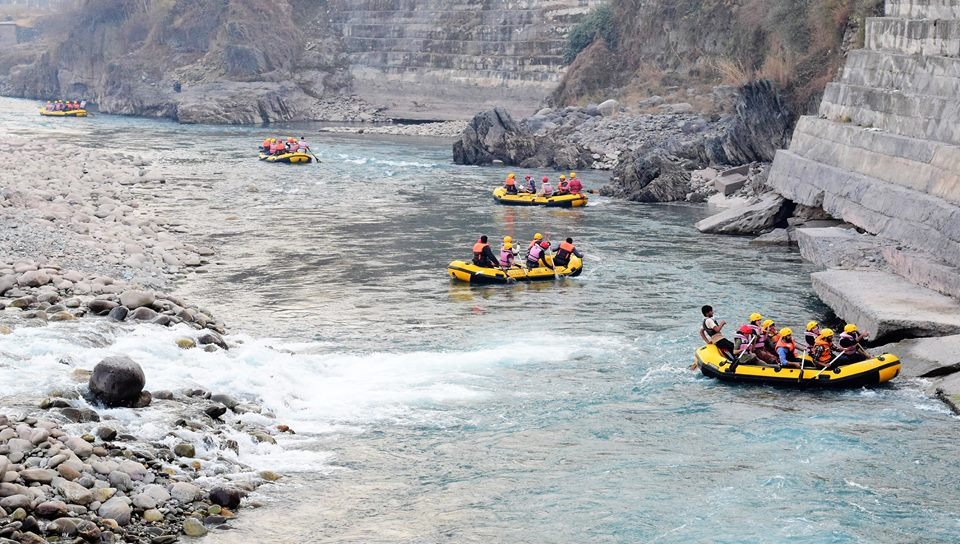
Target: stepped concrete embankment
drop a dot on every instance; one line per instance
(883, 154)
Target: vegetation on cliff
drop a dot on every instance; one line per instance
(666, 45)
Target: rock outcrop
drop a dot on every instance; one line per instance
(493, 135)
(761, 215)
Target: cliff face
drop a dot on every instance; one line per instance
(223, 61)
(668, 46)
(248, 61)
(430, 58)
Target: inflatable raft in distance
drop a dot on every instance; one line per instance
(71, 113)
(478, 275)
(289, 158)
(864, 374)
(529, 199)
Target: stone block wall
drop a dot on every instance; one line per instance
(427, 58)
(884, 151)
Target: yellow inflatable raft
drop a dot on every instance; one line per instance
(529, 199)
(71, 113)
(867, 373)
(290, 158)
(471, 273)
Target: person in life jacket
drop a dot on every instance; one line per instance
(757, 339)
(813, 332)
(511, 183)
(483, 255)
(536, 257)
(302, 145)
(575, 186)
(823, 349)
(563, 252)
(507, 256)
(531, 186)
(711, 332)
(770, 335)
(786, 349)
(545, 188)
(850, 348)
(49, 106)
(265, 145)
(537, 238)
(562, 186)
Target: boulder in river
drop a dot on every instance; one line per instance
(117, 381)
(493, 135)
(757, 217)
(134, 299)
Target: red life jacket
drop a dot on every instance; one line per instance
(563, 186)
(511, 182)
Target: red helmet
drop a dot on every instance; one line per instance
(528, 177)
(545, 179)
(544, 244)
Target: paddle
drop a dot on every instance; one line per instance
(803, 359)
(828, 366)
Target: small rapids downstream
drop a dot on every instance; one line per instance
(432, 412)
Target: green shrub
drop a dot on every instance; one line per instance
(598, 24)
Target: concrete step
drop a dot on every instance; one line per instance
(923, 9)
(914, 115)
(922, 165)
(886, 305)
(929, 75)
(923, 270)
(914, 36)
(911, 218)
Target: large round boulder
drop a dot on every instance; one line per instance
(117, 381)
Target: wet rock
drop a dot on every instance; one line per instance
(152, 516)
(269, 475)
(63, 526)
(212, 338)
(134, 299)
(225, 496)
(80, 447)
(68, 472)
(14, 502)
(101, 307)
(163, 395)
(62, 316)
(493, 135)
(193, 527)
(215, 410)
(106, 434)
(225, 400)
(23, 302)
(185, 450)
(41, 475)
(143, 314)
(73, 493)
(186, 343)
(143, 400)
(117, 381)
(88, 530)
(118, 314)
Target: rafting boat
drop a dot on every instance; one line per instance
(71, 113)
(289, 158)
(529, 199)
(478, 275)
(864, 374)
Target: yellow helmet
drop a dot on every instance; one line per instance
(573, 175)
(507, 239)
(826, 333)
(511, 175)
(562, 177)
(812, 325)
(508, 246)
(538, 236)
(786, 331)
(767, 323)
(850, 328)
(755, 317)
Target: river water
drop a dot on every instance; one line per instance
(432, 412)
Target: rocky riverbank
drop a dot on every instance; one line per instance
(651, 156)
(445, 129)
(82, 238)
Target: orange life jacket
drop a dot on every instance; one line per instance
(511, 182)
(566, 246)
(826, 353)
(562, 186)
(478, 248)
(791, 345)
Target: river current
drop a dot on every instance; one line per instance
(432, 412)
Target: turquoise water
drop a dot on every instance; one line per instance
(433, 412)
